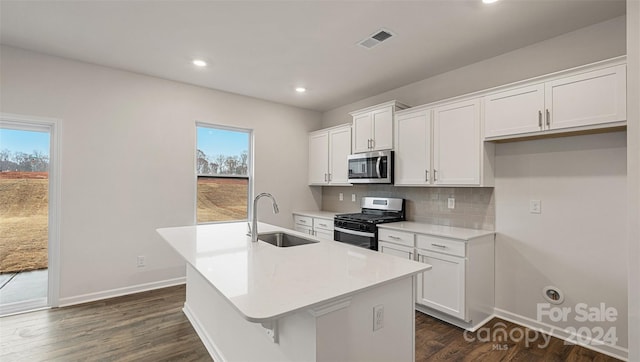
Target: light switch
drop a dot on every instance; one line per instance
(353, 197)
(534, 207)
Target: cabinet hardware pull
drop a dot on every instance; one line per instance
(329, 177)
(369, 143)
(548, 119)
(373, 143)
(439, 246)
(303, 221)
(325, 177)
(426, 175)
(394, 237)
(435, 175)
(540, 119)
(325, 225)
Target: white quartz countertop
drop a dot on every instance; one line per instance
(436, 230)
(320, 214)
(264, 282)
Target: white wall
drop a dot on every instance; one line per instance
(579, 241)
(128, 144)
(597, 42)
(633, 177)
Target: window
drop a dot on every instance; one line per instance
(223, 166)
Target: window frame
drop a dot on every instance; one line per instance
(250, 169)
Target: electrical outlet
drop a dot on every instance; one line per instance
(378, 317)
(451, 203)
(535, 207)
(353, 197)
(141, 261)
(341, 196)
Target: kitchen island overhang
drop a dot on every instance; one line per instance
(256, 301)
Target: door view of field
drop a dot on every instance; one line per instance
(222, 199)
(24, 216)
(23, 221)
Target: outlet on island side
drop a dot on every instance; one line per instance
(141, 262)
(451, 203)
(340, 196)
(378, 317)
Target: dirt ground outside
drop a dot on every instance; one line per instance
(222, 199)
(24, 200)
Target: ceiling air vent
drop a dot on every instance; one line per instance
(376, 38)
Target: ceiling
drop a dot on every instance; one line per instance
(264, 49)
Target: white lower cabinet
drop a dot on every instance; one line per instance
(459, 287)
(397, 250)
(316, 226)
(442, 288)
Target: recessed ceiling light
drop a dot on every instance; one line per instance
(199, 63)
(301, 89)
(489, 1)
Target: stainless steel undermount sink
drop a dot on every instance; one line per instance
(284, 240)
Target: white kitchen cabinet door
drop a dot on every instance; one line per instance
(318, 158)
(514, 111)
(397, 250)
(382, 129)
(589, 98)
(339, 150)
(456, 144)
(443, 286)
(303, 229)
(362, 132)
(324, 234)
(412, 159)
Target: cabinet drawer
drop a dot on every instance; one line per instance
(441, 245)
(303, 220)
(324, 224)
(398, 237)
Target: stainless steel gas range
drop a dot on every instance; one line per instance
(360, 228)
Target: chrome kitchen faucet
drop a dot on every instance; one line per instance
(254, 222)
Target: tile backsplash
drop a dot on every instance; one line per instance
(474, 206)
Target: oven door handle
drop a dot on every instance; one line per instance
(353, 232)
(378, 170)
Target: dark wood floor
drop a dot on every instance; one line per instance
(150, 326)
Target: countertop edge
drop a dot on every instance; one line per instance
(422, 228)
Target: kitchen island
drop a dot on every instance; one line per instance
(324, 301)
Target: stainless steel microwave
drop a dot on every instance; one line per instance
(371, 167)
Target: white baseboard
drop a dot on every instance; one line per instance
(595, 345)
(471, 327)
(91, 297)
(204, 336)
(8, 309)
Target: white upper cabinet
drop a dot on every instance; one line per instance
(373, 127)
(514, 111)
(339, 150)
(318, 158)
(456, 143)
(442, 146)
(412, 159)
(587, 98)
(328, 151)
(590, 98)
